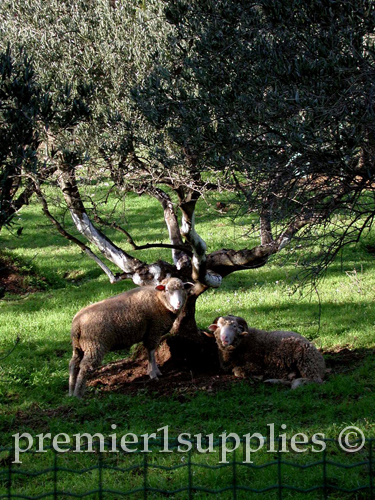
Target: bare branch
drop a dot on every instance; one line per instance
(140, 272)
(112, 277)
(184, 248)
(180, 256)
(226, 262)
(265, 225)
(119, 257)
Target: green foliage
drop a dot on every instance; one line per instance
(22, 106)
(272, 102)
(256, 83)
(29, 112)
(107, 46)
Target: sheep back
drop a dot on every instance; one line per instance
(121, 321)
(279, 354)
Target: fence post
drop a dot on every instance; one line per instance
(145, 465)
(325, 490)
(190, 476)
(100, 464)
(370, 470)
(279, 476)
(234, 475)
(9, 485)
(54, 474)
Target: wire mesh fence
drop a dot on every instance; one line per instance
(186, 469)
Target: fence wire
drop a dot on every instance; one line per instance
(102, 470)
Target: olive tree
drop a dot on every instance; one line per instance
(271, 101)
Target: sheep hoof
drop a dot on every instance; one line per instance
(277, 381)
(154, 375)
(303, 381)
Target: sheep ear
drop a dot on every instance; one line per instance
(243, 334)
(188, 285)
(160, 287)
(242, 324)
(212, 328)
(209, 334)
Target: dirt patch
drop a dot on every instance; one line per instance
(129, 376)
(187, 367)
(17, 280)
(341, 359)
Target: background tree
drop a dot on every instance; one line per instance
(277, 100)
(29, 113)
(21, 107)
(272, 102)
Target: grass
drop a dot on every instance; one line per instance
(34, 377)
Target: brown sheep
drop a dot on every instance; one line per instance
(142, 314)
(282, 357)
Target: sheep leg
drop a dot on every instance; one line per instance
(74, 369)
(88, 364)
(153, 369)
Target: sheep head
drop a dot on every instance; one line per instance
(228, 330)
(173, 293)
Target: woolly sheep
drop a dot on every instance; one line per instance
(142, 314)
(283, 357)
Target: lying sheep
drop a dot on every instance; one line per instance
(143, 314)
(283, 357)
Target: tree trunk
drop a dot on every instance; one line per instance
(186, 346)
(185, 325)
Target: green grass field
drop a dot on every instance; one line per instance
(34, 378)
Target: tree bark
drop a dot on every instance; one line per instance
(200, 272)
(180, 258)
(187, 346)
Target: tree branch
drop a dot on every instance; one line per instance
(182, 247)
(140, 272)
(121, 259)
(200, 271)
(226, 262)
(112, 277)
(180, 256)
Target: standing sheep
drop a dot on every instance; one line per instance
(283, 357)
(143, 314)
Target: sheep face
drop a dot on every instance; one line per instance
(228, 330)
(174, 293)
